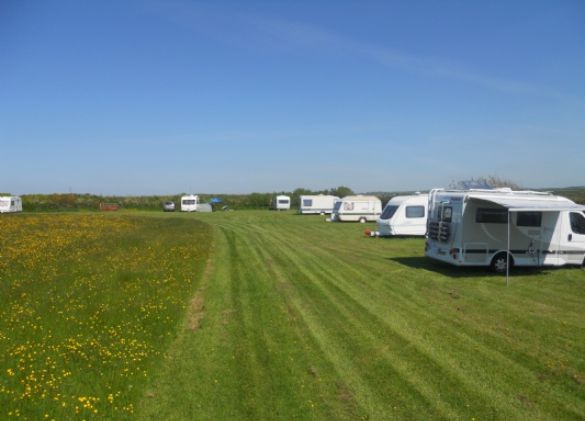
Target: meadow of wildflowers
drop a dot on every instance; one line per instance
(89, 304)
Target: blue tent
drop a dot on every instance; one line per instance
(216, 200)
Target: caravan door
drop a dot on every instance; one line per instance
(415, 220)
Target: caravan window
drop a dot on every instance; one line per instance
(446, 213)
(529, 219)
(307, 203)
(283, 201)
(189, 202)
(491, 216)
(348, 206)
(389, 212)
(415, 211)
(577, 223)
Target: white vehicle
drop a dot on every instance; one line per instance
(483, 227)
(317, 204)
(10, 204)
(357, 208)
(404, 215)
(189, 203)
(280, 203)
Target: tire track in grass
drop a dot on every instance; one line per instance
(304, 364)
(264, 382)
(344, 327)
(337, 391)
(488, 354)
(358, 326)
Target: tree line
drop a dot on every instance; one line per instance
(87, 202)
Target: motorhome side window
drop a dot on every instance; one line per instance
(446, 213)
(577, 223)
(308, 202)
(491, 216)
(416, 212)
(529, 219)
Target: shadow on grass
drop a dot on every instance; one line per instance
(445, 269)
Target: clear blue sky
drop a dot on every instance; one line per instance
(154, 97)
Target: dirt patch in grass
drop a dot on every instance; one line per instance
(197, 305)
(196, 311)
(579, 378)
(525, 401)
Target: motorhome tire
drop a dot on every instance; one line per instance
(498, 264)
(362, 220)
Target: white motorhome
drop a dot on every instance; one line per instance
(357, 208)
(404, 215)
(10, 204)
(280, 202)
(484, 227)
(189, 203)
(317, 204)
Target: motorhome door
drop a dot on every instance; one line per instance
(530, 242)
(574, 241)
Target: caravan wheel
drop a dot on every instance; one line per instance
(362, 220)
(499, 263)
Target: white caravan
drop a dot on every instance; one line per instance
(404, 215)
(357, 208)
(281, 203)
(317, 204)
(189, 203)
(481, 227)
(10, 204)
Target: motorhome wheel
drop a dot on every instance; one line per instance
(498, 264)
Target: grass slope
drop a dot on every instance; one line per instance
(298, 319)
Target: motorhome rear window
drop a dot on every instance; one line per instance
(577, 223)
(415, 211)
(529, 219)
(491, 216)
(308, 202)
(389, 212)
(446, 213)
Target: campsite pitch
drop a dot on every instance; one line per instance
(267, 315)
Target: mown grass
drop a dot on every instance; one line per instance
(308, 320)
(89, 304)
(292, 318)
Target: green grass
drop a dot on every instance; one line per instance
(294, 318)
(305, 319)
(89, 304)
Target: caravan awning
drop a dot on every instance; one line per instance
(519, 204)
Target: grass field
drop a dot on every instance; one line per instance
(262, 315)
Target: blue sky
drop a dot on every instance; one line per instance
(155, 97)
